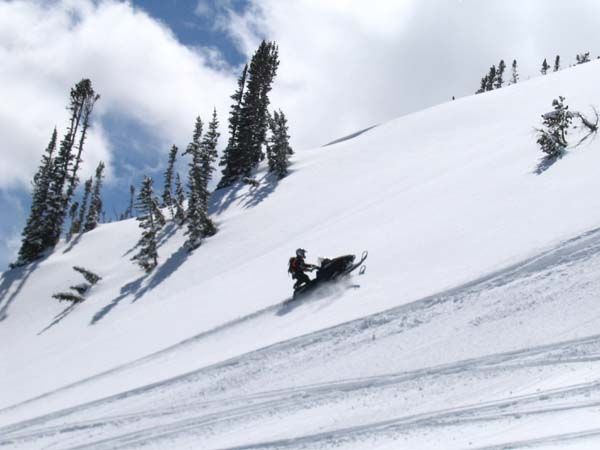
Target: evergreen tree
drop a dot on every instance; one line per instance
(253, 116)
(208, 155)
(66, 164)
(86, 99)
(499, 82)
(167, 196)
(483, 86)
(515, 75)
(34, 233)
(490, 80)
(195, 216)
(278, 149)
(94, 213)
(77, 222)
(179, 201)
(231, 159)
(151, 221)
(545, 67)
(553, 137)
(557, 63)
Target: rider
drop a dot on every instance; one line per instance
(298, 266)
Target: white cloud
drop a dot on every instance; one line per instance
(136, 64)
(348, 64)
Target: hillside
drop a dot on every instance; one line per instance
(475, 324)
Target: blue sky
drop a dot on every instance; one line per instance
(345, 65)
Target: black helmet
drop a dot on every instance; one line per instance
(301, 253)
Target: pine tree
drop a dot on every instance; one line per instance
(66, 163)
(195, 217)
(491, 77)
(499, 82)
(208, 155)
(151, 221)
(77, 222)
(253, 124)
(553, 137)
(167, 196)
(231, 156)
(483, 86)
(545, 67)
(86, 100)
(557, 63)
(93, 216)
(279, 150)
(34, 233)
(179, 201)
(515, 75)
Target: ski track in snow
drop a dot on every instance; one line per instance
(297, 393)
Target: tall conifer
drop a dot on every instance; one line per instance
(66, 164)
(34, 233)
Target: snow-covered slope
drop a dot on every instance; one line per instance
(475, 324)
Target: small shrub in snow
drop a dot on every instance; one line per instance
(81, 288)
(89, 276)
(68, 296)
(553, 137)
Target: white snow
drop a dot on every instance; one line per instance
(475, 325)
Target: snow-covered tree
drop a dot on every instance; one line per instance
(557, 63)
(167, 196)
(35, 231)
(515, 74)
(151, 221)
(278, 148)
(552, 138)
(95, 210)
(545, 67)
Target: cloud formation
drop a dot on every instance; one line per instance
(141, 71)
(347, 64)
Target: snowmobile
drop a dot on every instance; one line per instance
(330, 270)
